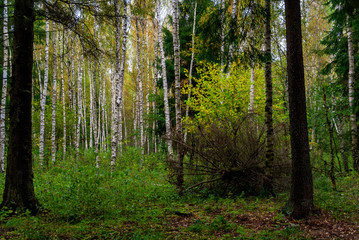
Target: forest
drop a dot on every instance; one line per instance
(179, 119)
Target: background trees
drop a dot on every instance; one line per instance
(134, 76)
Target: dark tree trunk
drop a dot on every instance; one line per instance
(19, 189)
(269, 101)
(301, 196)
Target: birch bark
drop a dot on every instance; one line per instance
(4, 89)
(353, 123)
(191, 67)
(43, 96)
(119, 78)
(140, 89)
(165, 88)
(79, 103)
(63, 98)
(54, 95)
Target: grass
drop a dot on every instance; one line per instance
(83, 202)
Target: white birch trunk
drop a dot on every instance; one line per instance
(91, 111)
(54, 96)
(223, 5)
(165, 88)
(191, 67)
(119, 78)
(79, 103)
(353, 123)
(140, 90)
(63, 98)
(4, 89)
(43, 96)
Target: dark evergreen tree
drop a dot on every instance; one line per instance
(300, 203)
(19, 188)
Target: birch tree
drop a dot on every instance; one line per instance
(191, 67)
(165, 88)
(140, 88)
(44, 95)
(351, 83)
(54, 93)
(119, 77)
(63, 98)
(79, 103)
(4, 89)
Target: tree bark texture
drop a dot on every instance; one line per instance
(43, 96)
(54, 95)
(351, 82)
(19, 188)
(301, 195)
(269, 98)
(4, 89)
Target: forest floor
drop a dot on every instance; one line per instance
(83, 202)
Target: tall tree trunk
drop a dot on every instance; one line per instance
(19, 191)
(155, 80)
(54, 95)
(353, 122)
(63, 98)
(343, 153)
(4, 89)
(301, 194)
(140, 89)
(79, 103)
(91, 82)
(331, 145)
(267, 47)
(223, 9)
(269, 99)
(43, 96)
(191, 67)
(177, 68)
(119, 77)
(165, 88)
(231, 46)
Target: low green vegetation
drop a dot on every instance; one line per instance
(80, 201)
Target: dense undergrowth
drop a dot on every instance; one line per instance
(80, 201)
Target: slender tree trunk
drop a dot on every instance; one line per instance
(140, 90)
(301, 195)
(331, 137)
(54, 96)
(84, 111)
(177, 68)
(165, 88)
(223, 6)
(19, 191)
(155, 80)
(119, 78)
(191, 68)
(79, 103)
(91, 81)
(231, 46)
(353, 122)
(43, 96)
(269, 99)
(343, 153)
(4, 89)
(63, 98)
(267, 49)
